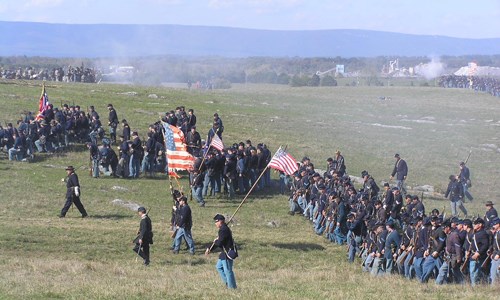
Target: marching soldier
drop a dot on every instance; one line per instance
(184, 223)
(495, 253)
(225, 241)
(72, 193)
(144, 236)
(421, 247)
(464, 178)
(401, 172)
(490, 215)
(392, 243)
(453, 257)
(478, 251)
(378, 267)
(433, 260)
(456, 192)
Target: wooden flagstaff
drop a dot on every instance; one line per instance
(245, 198)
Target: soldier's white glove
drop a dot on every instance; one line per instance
(63, 179)
(77, 191)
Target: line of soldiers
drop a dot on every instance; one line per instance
(60, 74)
(391, 232)
(483, 84)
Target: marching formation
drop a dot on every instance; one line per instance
(392, 232)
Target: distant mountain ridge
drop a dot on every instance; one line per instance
(102, 40)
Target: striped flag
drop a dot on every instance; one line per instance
(42, 105)
(284, 162)
(217, 143)
(177, 156)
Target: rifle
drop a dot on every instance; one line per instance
(466, 259)
(334, 217)
(487, 259)
(404, 253)
(191, 189)
(361, 250)
(468, 156)
(90, 166)
(323, 220)
(368, 253)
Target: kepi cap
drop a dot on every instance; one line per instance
(467, 222)
(219, 217)
(478, 221)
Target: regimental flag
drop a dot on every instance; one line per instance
(284, 162)
(42, 105)
(177, 156)
(217, 143)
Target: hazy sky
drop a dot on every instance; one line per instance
(457, 18)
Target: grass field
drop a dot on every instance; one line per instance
(43, 256)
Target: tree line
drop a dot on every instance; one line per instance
(294, 71)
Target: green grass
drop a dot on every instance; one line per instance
(43, 256)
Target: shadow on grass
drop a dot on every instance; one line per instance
(298, 246)
(109, 217)
(216, 249)
(195, 261)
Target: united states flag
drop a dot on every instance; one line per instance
(284, 162)
(42, 105)
(177, 156)
(217, 143)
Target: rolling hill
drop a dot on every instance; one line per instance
(100, 40)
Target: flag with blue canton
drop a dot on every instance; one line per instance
(284, 162)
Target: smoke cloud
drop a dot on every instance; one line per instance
(431, 70)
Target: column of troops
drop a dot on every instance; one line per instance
(390, 232)
(69, 74)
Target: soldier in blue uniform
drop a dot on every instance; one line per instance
(490, 214)
(401, 172)
(72, 193)
(225, 241)
(392, 243)
(183, 225)
(495, 253)
(478, 251)
(144, 236)
(456, 193)
(464, 178)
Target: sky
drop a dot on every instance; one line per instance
(455, 18)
